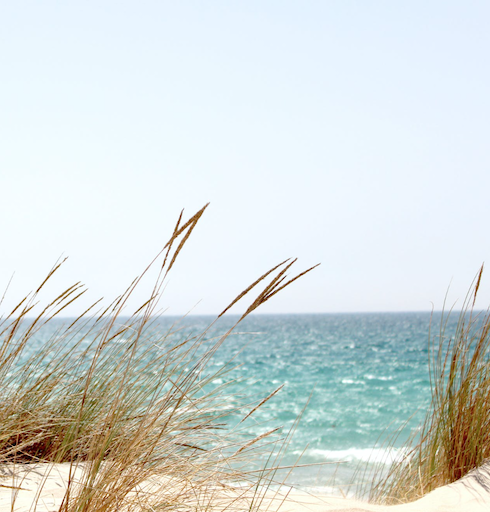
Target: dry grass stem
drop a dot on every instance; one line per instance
(455, 437)
(131, 414)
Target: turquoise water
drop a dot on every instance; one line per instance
(363, 375)
(354, 378)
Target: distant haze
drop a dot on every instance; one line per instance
(355, 134)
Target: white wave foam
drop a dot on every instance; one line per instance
(352, 381)
(383, 455)
(369, 376)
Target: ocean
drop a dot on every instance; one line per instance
(353, 380)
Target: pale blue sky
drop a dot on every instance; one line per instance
(351, 133)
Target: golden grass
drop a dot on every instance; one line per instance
(127, 413)
(455, 436)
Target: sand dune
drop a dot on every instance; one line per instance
(42, 487)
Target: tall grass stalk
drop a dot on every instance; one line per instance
(125, 414)
(455, 436)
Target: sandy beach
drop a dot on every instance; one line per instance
(42, 487)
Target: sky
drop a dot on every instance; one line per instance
(348, 133)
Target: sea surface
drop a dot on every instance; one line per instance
(353, 380)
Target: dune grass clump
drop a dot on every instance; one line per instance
(115, 398)
(455, 436)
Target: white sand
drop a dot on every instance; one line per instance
(41, 488)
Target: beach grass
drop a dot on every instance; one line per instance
(115, 399)
(455, 436)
